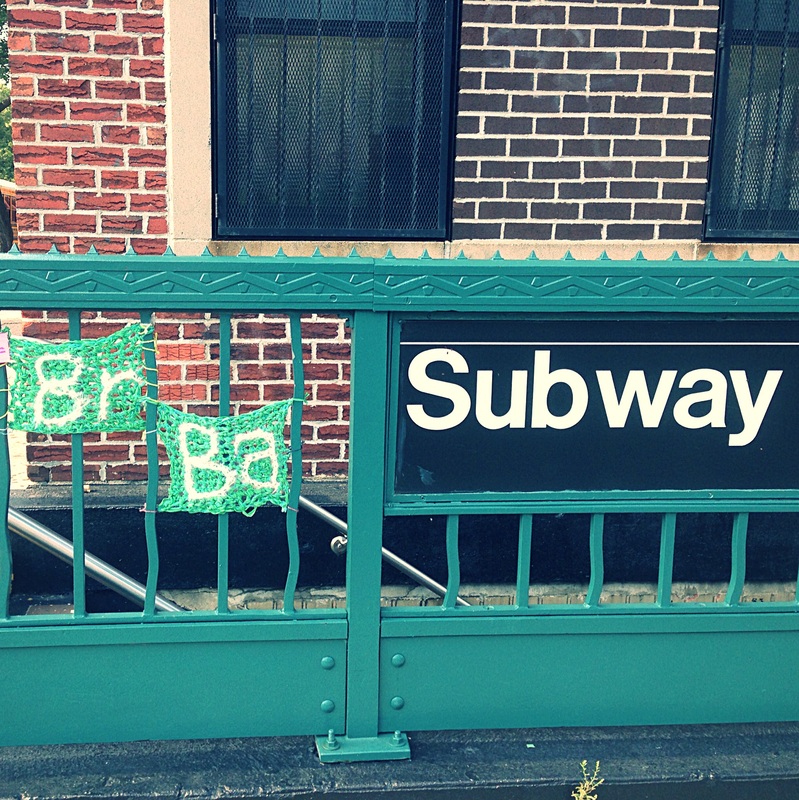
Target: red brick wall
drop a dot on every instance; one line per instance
(88, 110)
(188, 377)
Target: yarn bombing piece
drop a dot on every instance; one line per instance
(225, 464)
(79, 387)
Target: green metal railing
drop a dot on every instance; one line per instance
(590, 602)
(78, 555)
(356, 676)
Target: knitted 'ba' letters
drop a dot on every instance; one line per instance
(226, 464)
(79, 387)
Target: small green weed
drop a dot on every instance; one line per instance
(586, 789)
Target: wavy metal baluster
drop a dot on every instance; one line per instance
(597, 560)
(295, 487)
(523, 564)
(223, 520)
(453, 563)
(151, 440)
(78, 570)
(668, 527)
(740, 526)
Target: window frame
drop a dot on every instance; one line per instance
(223, 229)
(710, 232)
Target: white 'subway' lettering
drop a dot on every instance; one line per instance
(651, 398)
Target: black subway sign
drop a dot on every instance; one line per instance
(597, 405)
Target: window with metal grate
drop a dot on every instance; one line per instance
(334, 118)
(754, 169)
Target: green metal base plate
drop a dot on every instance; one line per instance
(388, 747)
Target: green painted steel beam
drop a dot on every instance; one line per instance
(464, 622)
(365, 522)
(247, 283)
(171, 689)
(606, 610)
(734, 501)
(578, 676)
(169, 629)
(172, 283)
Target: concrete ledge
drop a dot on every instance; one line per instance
(732, 761)
(58, 496)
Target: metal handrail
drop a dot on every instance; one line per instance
(55, 544)
(96, 568)
(339, 546)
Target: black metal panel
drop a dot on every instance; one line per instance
(334, 118)
(754, 170)
(526, 406)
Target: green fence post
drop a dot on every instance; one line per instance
(6, 563)
(368, 401)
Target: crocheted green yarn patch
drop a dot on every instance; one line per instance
(79, 387)
(225, 464)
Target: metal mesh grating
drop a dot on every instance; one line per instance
(334, 117)
(754, 177)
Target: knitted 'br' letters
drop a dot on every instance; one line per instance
(79, 387)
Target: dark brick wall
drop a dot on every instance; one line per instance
(584, 121)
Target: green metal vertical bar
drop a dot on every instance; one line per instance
(298, 373)
(79, 551)
(223, 520)
(6, 563)
(796, 593)
(668, 526)
(369, 399)
(523, 562)
(151, 440)
(740, 527)
(453, 563)
(597, 560)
